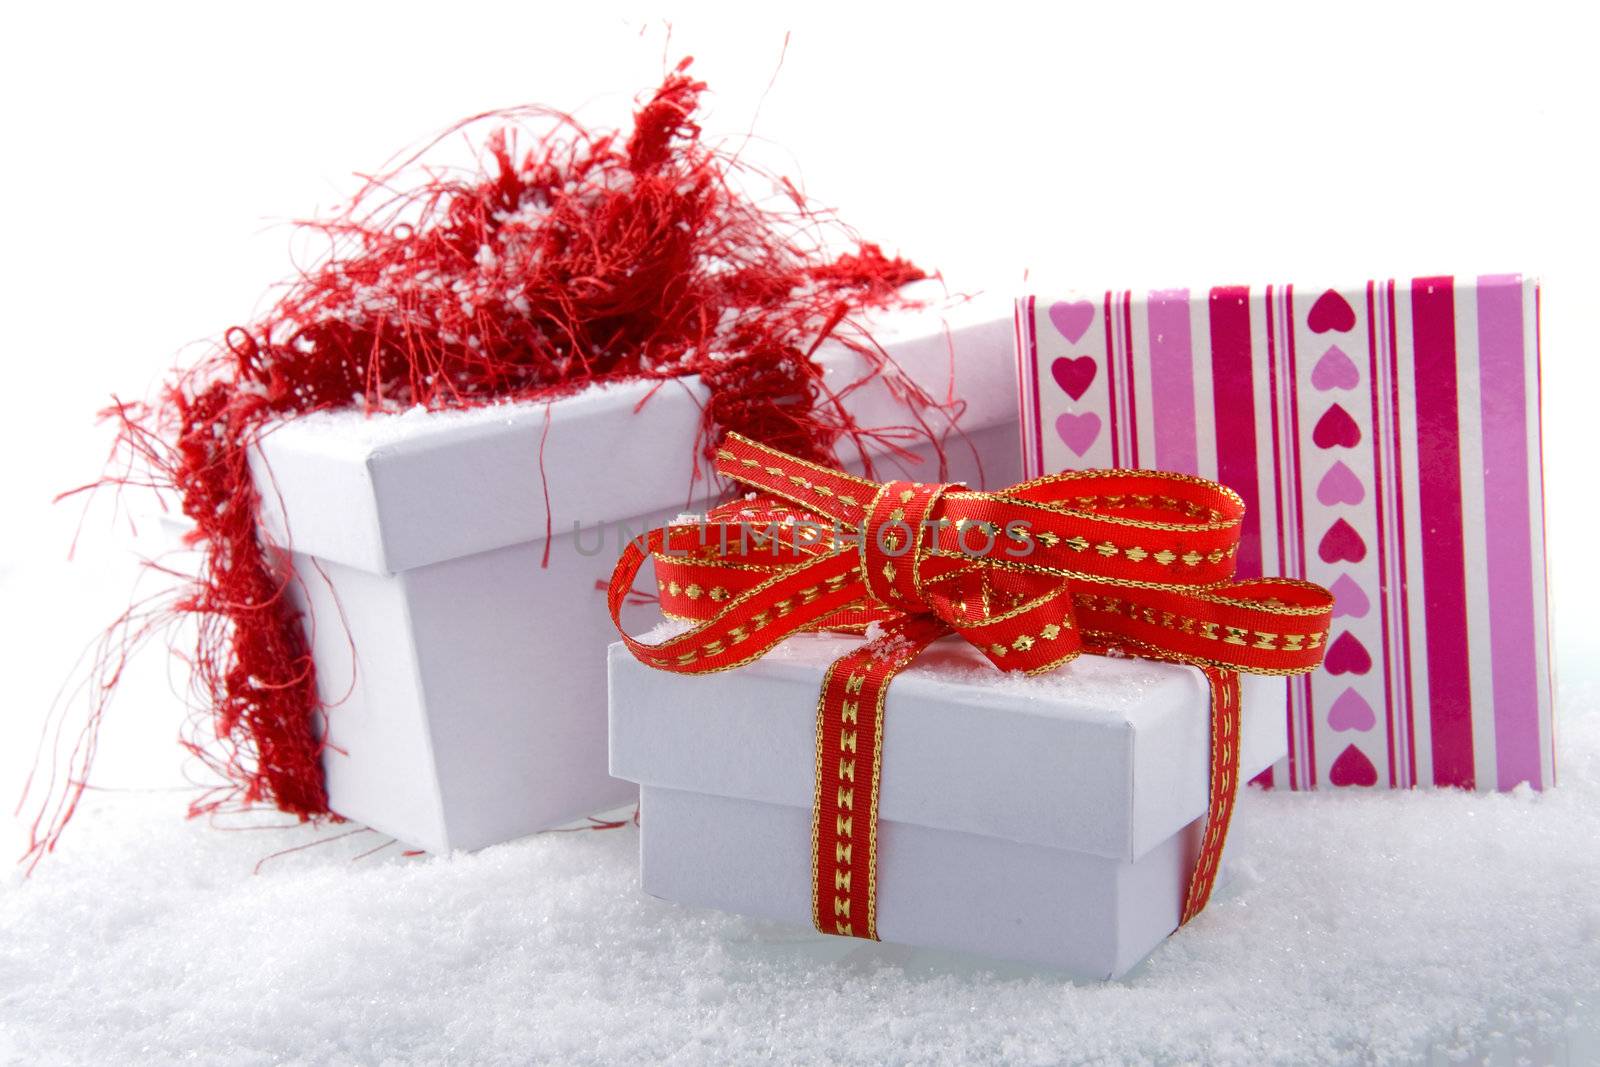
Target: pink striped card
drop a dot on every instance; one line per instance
(1386, 440)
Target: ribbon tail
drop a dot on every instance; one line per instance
(1224, 788)
(844, 809)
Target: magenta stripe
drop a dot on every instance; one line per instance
(1132, 409)
(1444, 569)
(1509, 538)
(1038, 421)
(1172, 381)
(1234, 404)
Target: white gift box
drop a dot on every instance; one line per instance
(1052, 819)
(465, 678)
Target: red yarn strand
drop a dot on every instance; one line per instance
(568, 257)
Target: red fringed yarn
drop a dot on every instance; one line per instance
(582, 257)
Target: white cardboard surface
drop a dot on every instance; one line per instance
(395, 491)
(1062, 832)
(1103, 756)
(1090, 916)
(469, 720)
(466, 680)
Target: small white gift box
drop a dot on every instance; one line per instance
(447, 568)
(1051, 819)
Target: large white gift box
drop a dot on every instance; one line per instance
(450, 568)
(1052, 819)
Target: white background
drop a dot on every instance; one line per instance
(153, 156)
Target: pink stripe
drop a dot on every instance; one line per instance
(1509, 538)
(1111, 384)
(1444, 568)
(1172, 381)
(1544, 548)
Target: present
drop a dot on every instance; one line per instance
(450, 568)
(1050, 819)
(1073, 819)
(1385, 439)
(480, 358)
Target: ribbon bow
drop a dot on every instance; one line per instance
(1101, 561)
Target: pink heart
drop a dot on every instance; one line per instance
(1351, 712)
(1353, 768)
(1349, 598)
(1074, 375)
(1331, 312)
(1335, 370)
(1072, 318)
(1078, 431)
(1340, 486)
(1347, 656)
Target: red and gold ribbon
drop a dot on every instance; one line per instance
(1105, 562)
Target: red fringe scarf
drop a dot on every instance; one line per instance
(584, 257)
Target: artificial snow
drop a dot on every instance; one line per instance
(1357, 927)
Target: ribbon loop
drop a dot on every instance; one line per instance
(897, 524)
(1106, 562)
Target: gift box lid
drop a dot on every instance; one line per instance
(389, 492)
(1103, 756)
